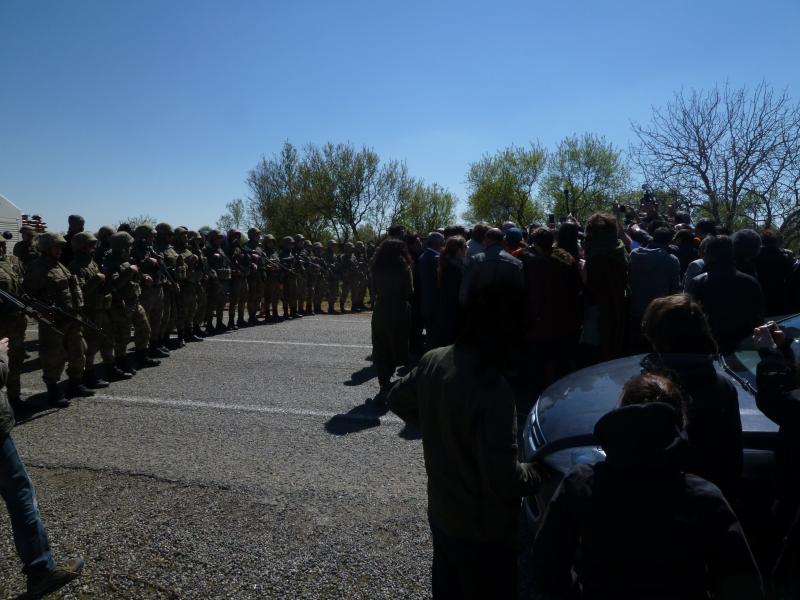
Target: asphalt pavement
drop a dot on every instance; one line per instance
(250, 465)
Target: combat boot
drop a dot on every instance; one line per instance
(124, 365)
(220, 328)
(76, 389)
(91, 380)
(232, 325)
(61, 575)
(252, 320)
(156, 351)
(190, 336)
(331, 310)
(177, 343)
(114, 373)
(55, 397)
(318, 309)
(17, 405)
(145, 362)
(242, 323)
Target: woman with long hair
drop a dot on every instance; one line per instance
(391, 317)
(448, 319)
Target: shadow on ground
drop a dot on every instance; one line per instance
(362, 376)
(359, 418)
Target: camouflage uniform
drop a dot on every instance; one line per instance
(52, 283)
(152, 286)
(301, 267)
(321, 283)
(103, 236)
(347, 268)
(258, 275)
(313, 274)
(12, 325)
(127, 311)
(272, 285)
(240, 269)
(362, 274)
(96, 307)
(173, 270)
(219, 280)
(190, 288)
(26, 250)
(332, 272)
(290, 277)
(199, 275)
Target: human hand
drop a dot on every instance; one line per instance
(768, 337)
(4, 345)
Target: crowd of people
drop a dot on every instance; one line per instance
(658, 518)
(158, 288)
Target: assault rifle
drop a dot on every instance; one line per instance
(42, 308)
(280, 265)
(27, 309)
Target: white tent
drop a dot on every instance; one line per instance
(10, 219)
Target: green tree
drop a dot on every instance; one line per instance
(134, 222)
(427, 208)
(584, 175)
(235, 217)
(501, 185)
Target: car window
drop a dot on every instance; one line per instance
(745, 360)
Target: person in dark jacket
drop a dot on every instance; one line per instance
(30, 538)
(684, 350)
(494, 266)
(778, 397)
(746, 248)
(414, 245)
(391, 316)
(427, 269)
(462, 403)
(553, 290)
(643, 529)
(774, 268)
(685, 248)
(732, 300)
(449, 317)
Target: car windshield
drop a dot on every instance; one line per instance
(744, 361)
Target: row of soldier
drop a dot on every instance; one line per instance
(144, 284)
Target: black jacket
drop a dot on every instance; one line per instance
(775, 268)
(714, 424)
(642, 529)
(733, 302)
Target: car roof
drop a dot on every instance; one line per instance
(570, 407)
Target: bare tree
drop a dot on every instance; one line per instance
(732, 153)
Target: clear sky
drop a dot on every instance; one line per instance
(116, 108)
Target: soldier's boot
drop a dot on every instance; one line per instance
(240, 322)
(190, 336)
(17, 405)
(114, 373)
(156, 351)
(55, 397)
(232, 324)
(145, 362)
(220, 328)
(331, 309)
(275, 316)
(76, 389)
(252, 320)
(197, 332)
(175, 344)
(341, 308)
(92, 381)
(124, 365)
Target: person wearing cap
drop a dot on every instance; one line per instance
(26, 250)
(240, 269)
(151, 279)
(175, 274)
(218, 282)
(272, 290)
(332, 289)
(13, 323)
(124, 278)
(257, 276)
(75, 225)
(290, 275)
(492, 266)
(97, 309)
(513, 242)
(187, 300)
(48, 280)
(347, 269)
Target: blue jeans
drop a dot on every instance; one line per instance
(16, 487)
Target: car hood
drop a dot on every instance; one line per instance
(571, 406)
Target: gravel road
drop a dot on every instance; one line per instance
(251, 465)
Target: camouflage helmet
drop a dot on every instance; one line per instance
(269, 236)
(287, 240)
(349, 245)
(48, 240)
(299, 237)
(308, 244)
(27, 229)
(181, 230)
(233, 232)
(359, 244)
(84, 238)
(213, 234)
(252, 231)
(331, 243)
(142, 231)
(317, 244)
(105, 231)
(163, 228)
(121, 240)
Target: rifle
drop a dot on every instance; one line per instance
(60, 313)
(28, 310)
(280, 265)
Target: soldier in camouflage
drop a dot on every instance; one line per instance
(290, 276)
(173, 271)
(332, 272)
(199, 274)
(151, 279)
(26, 250)
(300, 267)
(272, 285)
(219, 281)
(103, 243)
(257, 278)
(12, 325)
(240, 269)
(52, 283)
(189, 283)
(321, 284)
(348, 273)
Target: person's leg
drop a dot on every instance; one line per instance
(30, 537)
(445, 584)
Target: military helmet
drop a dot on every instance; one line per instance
(253, 230)
(84, 238)
(48, 240)
(269, 236)
(105, 231)
(121, 241)
(142, 231)
(164, 228)
(27, 228)
(317, 244)
(288, 239)
(308, 243)
(331, 243)
(192, 235)
(233, 232)
(299, 237)
(349, 245)
(180, 230)
(360, 244)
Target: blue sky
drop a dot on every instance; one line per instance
(114, 109)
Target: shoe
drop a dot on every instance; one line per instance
(17, 405)
(220, 328)
(60, 576)
(145, 362)
(76, 389)
(156, 351)
(232, 326)
(91, 380)
(332, 311)
(190, 336)
(177, 343)
(124, 365)
(114, 373)
(55, 397)
(252, 321)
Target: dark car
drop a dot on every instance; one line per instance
(558, 430)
